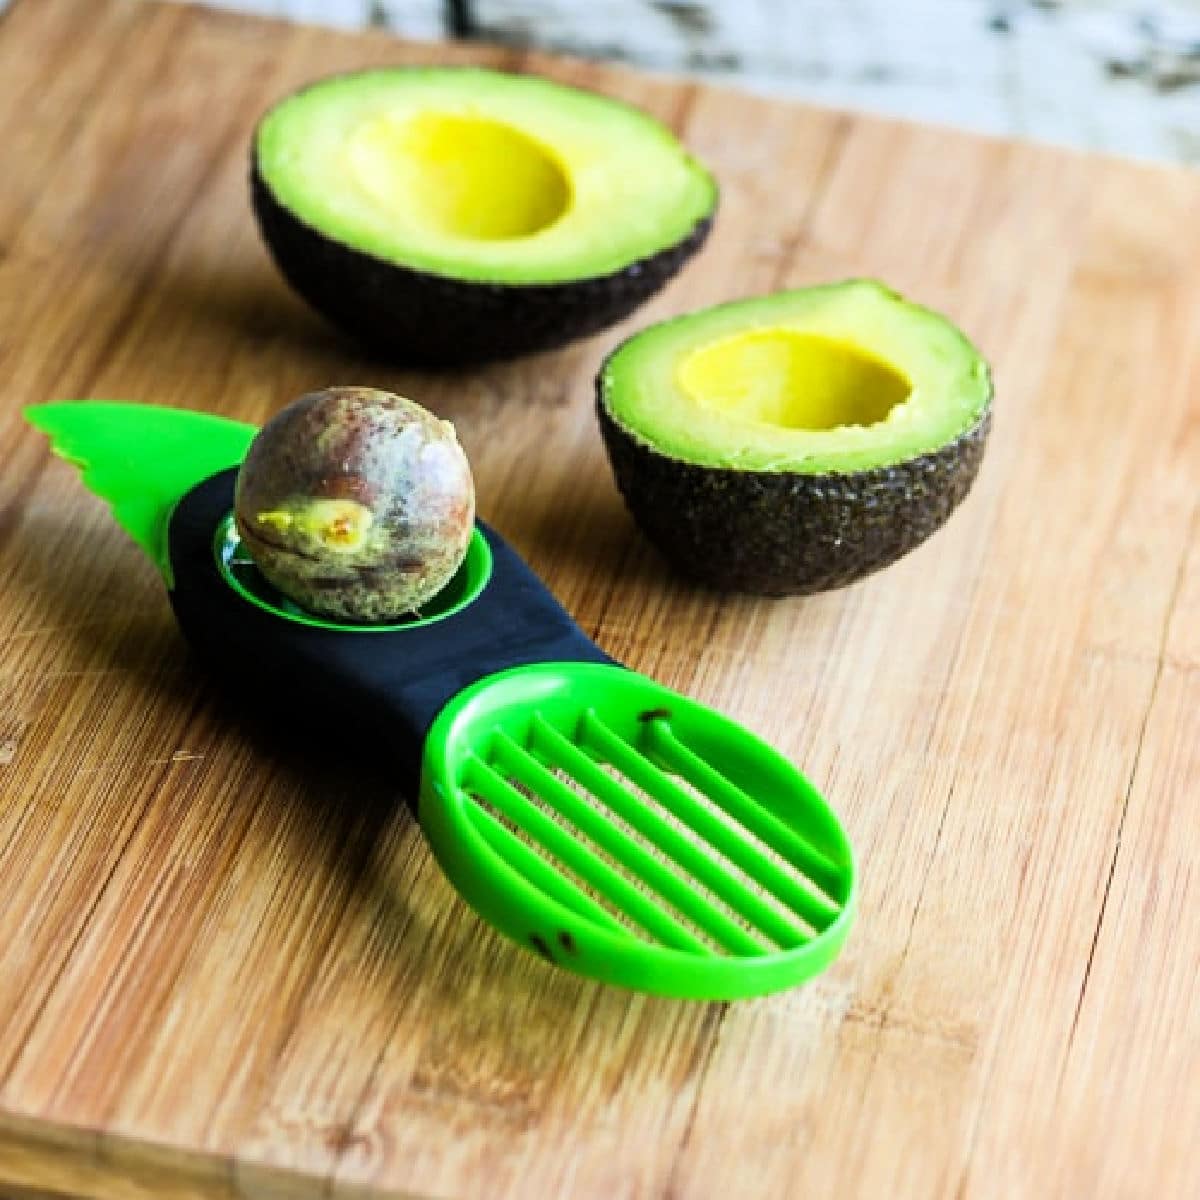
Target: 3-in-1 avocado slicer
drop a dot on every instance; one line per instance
(599, 819)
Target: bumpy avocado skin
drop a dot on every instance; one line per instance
(787, 533)
(422, 319)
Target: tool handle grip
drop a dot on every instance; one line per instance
(390, 682)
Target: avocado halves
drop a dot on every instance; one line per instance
(445, 216)
(796, 442)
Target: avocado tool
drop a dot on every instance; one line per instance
(611, 825)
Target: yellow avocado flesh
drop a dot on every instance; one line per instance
(461, 177)
(839, 378)
(792, 380)
(338, 525)
(481, 175)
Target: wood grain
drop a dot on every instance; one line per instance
(228, 966)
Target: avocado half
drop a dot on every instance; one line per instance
(447, 215)
(795, 442)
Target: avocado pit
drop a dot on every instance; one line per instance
(356, 504)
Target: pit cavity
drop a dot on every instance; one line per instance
(792, 380)
(462, 176)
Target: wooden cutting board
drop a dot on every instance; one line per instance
(228, 966)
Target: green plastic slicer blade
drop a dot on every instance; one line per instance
(634, 835)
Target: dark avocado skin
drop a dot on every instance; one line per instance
(787, 533)
(421, 319)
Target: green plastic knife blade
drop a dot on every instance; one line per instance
(142, 458)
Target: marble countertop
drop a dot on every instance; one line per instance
(1113, 75)
(1120, 76)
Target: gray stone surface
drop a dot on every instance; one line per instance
(1115, 75)
(1112, 75)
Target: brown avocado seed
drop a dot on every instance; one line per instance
(355, 503)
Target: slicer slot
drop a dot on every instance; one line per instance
(698, 865)
(776, 835)
(629, 855)
(489, 785)
(534, 867)
(727, 837)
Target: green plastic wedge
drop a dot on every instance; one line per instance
(141, 458)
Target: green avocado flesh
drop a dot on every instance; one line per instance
(795, 442)
(480, 175)
(836, 378)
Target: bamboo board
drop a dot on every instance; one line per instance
(228, 966)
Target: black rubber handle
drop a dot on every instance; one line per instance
(395, 680)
